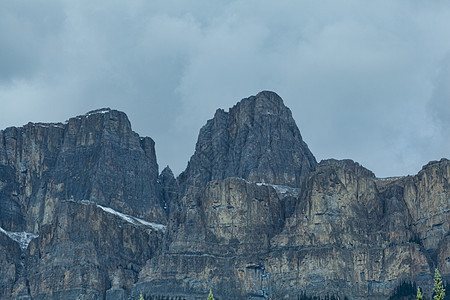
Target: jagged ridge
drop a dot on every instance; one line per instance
(252, 216)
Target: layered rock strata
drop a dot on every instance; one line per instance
(52, 177)
(338, 229)
(85, 214)
(257, 140)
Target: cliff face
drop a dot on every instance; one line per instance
(10, 264)
(227, 209)
(218, 243)
(84, 212)
(92, 157)
(63, 186)
(347, 238)
(256, 140)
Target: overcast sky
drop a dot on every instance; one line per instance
(366, 80)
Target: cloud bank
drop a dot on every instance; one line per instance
(364, 80)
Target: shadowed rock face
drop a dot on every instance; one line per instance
(94, 157)
(86, 251)
(253, 216)
(237, 219)
(335, 229)
(10, 265)
(46, 171)
(103, 160)
(345, 238)
(257, 140)
(225, 208)
(350, 234)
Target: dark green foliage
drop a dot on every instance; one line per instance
(210, 296)
(404, 291)
(419, 294)
(439, 291)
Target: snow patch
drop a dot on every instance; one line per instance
(91, 113)
(100, 111)
(389, 178)
(282, 189)
(87, 202)
(133, 220)
(22, 168)
(23, 238)
(48, 125)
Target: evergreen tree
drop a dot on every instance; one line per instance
(210, 296)
(438, 286)
(140, 297)
(419, 294)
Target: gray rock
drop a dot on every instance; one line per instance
(10, 265)
(52, 175)
(88, 248)
(257, 140)
(170, 189)
(252, 217)
(115, 294)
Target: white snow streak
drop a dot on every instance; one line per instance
(282, 189)
(389, 178)
(48, 125)
(95, 112)
(133, 220)
(23, 238)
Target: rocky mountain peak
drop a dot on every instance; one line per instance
(264, 103)
(257, 139)
(347, 164)
(169, 188)
(85, 213)
(99, 111)
(80, 158)
(101, 124)
(167, 173)
(443, 162)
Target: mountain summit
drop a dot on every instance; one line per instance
(84, 214)
(257, 140)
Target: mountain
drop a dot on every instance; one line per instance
(256, 140)
(65, 184)
(84, 212)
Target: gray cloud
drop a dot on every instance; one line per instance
(440, 99)
(26, 30)
(364, 80)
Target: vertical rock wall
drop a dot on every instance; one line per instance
(84, 213)
(52, 179)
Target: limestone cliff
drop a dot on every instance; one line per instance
(54, 181)
(238, 156)
(93, 157)
(85, 214)
(257, 139)
(334, 230)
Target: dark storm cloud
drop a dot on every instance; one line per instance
(364, 80)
